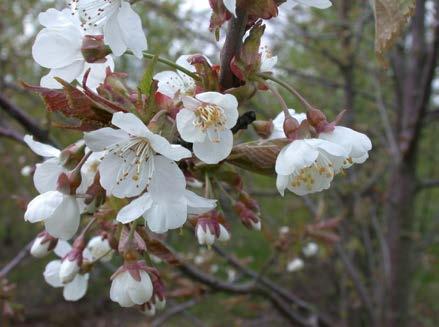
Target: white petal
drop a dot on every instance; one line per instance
(165, 215)
(62, 248)
(77, 288)
(185, 126)
(170, 151)
(43, 206)
(212, 153)
(231, 6)
(46, 175)
(98, 72)
(41, 149)
(169, 83)
(68, 73)
(140, 292)
(130, 124)
(64, 222)
(51, 273)
(103, 138)
(113, 36)
(282, 183)
(190, 103)
(168, 181)
(118, 290)
(295, 156)
(132, 31)
(135, 209)
(197, 204)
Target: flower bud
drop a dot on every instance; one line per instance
(263, 128)
(26, 171)
(248, 217)
(310, 250)
(295, 265)
(43, 244)
(94, 49)
(208, 230)
(100, 248)
(69, 270)
(131, 285)
(149, 309)
(291, 126)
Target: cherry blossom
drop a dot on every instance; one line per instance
(209, 230)
(167, 203)
(268, 61)
(174, 84)
(42, 245)
(46, 173)
(129, 160)
(59, 212)
(310, 249)
(58, 47)
(357, 144)
(100, 249)
(121, 25)
(278, 123)
(308, 166)
(74, 289)
(206, 121)
(295, 265)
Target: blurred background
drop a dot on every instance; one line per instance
(376, 230)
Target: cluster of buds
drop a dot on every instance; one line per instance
(210, 227)
(44, 243)
(248, 210)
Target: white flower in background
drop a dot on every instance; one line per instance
(131, 286)
(208, 231)
(268, 61)
(172, 83)
(26, 171)
(129, 161)
(167, 203)
(58, 47)
(89, 170)
(206, 121)
(357, 144)
(320, 4)
(59, 211)
(73, 290)
(231, 6)
(42, 245)
(310, 250)
(100, 249)
(278, 123)
(295, 265)
(149, 309)
(121, 25)
(308, 166)
(46, 173)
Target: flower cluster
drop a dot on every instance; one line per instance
(145, 152)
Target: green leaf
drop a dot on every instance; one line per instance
(146, 81)
(391, 17)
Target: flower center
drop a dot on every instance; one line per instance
(209, 115)
(94, 13)
(307, 176)
(134, 153)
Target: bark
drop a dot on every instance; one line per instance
(418, 71)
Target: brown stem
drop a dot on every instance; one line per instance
(232, 46)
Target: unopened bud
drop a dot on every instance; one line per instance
(148, 309)
(94, 49)
(100, 248)
(68, 270)
(291, 125)
(208, 230)
(42, 245)
(263, 128)
(317, 119)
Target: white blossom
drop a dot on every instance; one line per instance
(295, 265)
(174, 84)
(167, 203)
(308, 166)
(129, 161)
(356, 144)
(207, 236)
(268, 61)
(42, 245)
(127, 291)
(46, 173)
(58, 47)
(310, 249)
(206, 121)
(59, 211)
(278, 123)
(73, 290)
(121, 25)
(100, 249)
(68, 270)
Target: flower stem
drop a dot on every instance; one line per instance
(282, 102)
(170, 64)
(289, 88)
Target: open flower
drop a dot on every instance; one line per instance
(121, 25)
(131, 285)
(59, 211)
(58, 47)
(308, 166)
(172, 83)
(128, 164)
(206, 121)
(74, 289)
(100, 249)
(167, 204)
(356, 144)
(46, 173)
